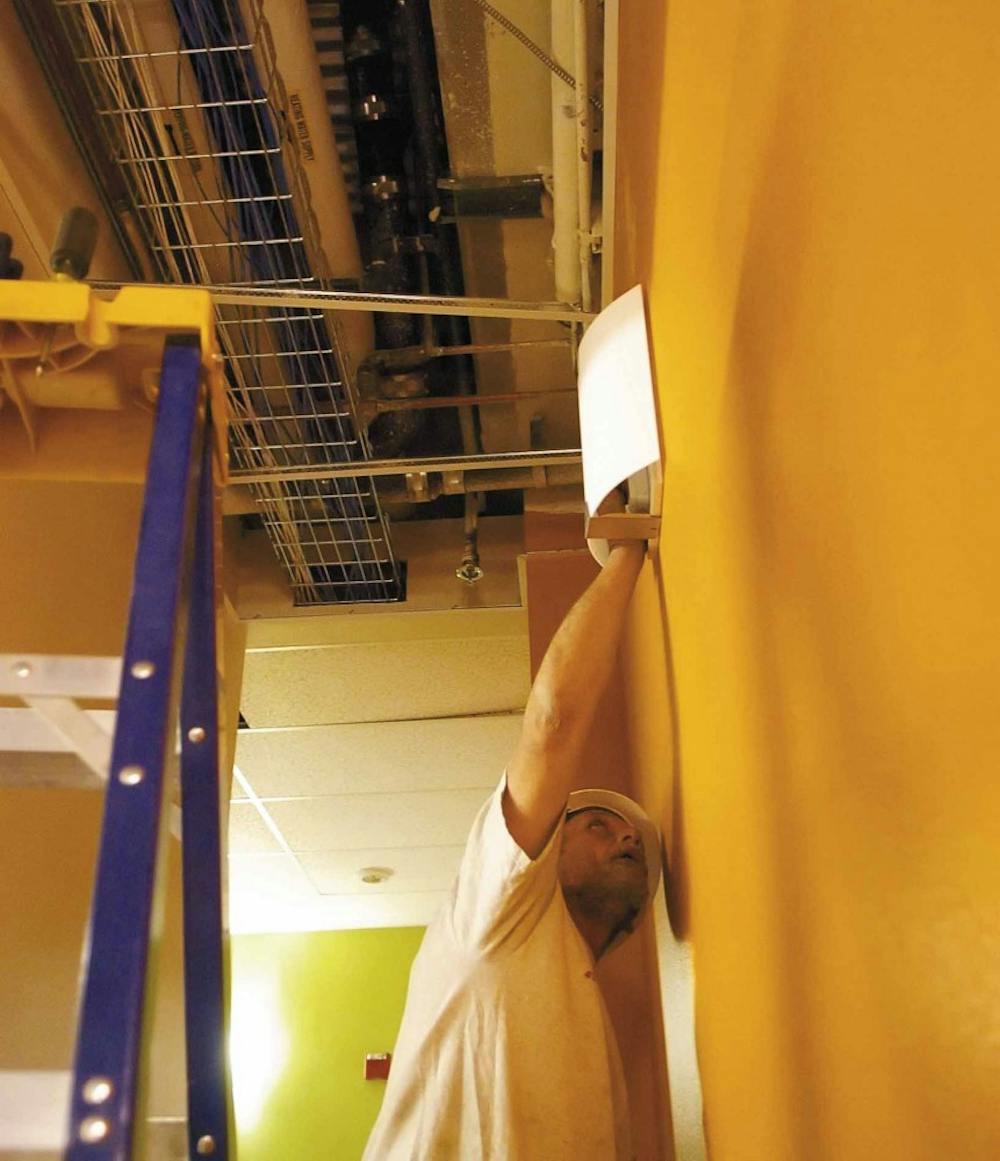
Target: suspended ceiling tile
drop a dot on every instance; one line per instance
(429, 754)
(385, 681)
(337, 913)
(348, 822)
(413, 869)
(268, 879)
(371, 624)
(248, 833)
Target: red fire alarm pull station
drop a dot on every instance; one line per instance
(377, 1065)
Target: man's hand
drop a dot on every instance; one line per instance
(613, 524)
(614, 501)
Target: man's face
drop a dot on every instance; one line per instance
(602, 864)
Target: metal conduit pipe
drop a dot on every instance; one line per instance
(404, 358)
(493, 480)
(369, 408)
(248, 295)
(409, 465)
(238, 500)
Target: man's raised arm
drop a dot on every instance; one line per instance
(560, 710)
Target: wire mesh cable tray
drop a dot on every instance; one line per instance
(190, 105)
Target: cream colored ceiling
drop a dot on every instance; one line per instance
(373, 743)
(381, 682)
(377, 757)
(425, 817)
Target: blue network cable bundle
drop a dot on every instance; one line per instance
(247, 151)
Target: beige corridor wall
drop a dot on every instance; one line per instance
(809, 192)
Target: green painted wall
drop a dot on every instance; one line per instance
(306, 1009)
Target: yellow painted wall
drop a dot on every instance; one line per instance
(809, 192)
(306, 1009)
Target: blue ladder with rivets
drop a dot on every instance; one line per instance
(169, 675)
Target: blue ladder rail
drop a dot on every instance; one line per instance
(169, 665)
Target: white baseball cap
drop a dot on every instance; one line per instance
(634, 815)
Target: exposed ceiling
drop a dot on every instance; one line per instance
(374, 732)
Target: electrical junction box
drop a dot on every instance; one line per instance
(377, 1065)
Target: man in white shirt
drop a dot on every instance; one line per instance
(506, 1051)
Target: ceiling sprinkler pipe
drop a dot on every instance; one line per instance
(470, 570)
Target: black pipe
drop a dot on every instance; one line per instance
(430, 163)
